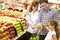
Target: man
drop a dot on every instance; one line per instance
(48, 14)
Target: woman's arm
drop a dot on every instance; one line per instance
(54, 37)
(47, 28)
(28, 19)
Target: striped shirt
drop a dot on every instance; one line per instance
(51, 14)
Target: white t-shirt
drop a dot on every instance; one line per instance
(49, 35)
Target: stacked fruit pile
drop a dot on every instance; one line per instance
(7, 31)
(16, 22)
(10, 31)
(10, 13)
(12, 26)
(18, 28)
(23, 24)
(3, 35)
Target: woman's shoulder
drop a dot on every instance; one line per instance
(29, 13)
(52, 32)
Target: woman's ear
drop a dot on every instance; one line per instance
(32, 7)
(53, 26)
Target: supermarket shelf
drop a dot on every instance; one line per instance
(19, 36)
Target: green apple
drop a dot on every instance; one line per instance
(18, 28)
(6, 38)
(31, 38)
(20, 33)
(39, 27)
(34, 38)
(37, 38)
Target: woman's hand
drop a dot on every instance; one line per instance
(33, 27)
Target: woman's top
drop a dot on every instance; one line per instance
(49, 35)
(33, 19)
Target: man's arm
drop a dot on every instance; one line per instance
(56, 16)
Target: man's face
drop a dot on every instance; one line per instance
(45, 6)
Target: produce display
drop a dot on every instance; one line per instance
(3, 35)
(23, 24)
(10, 31)
(10, 13)
(11, 26)
(15, 22)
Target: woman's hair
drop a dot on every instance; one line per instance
(54, 23)
(34, 3)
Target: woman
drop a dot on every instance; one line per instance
(52, 28)
(33, 19)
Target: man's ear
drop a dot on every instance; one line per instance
(49, 4)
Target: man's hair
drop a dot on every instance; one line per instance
(43, 1)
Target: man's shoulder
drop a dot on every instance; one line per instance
(53, 9)
(41, 10)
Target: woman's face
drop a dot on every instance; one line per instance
(50, 26)
(35, 8)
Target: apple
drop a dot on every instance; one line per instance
(11, 29)
(13, 15)
(24, 27)
(39, 27)
(34, 38)
(37, 38)
(31, 38)
(1, 36)
(13, 35)
(17, 29)
(20, 33)
(6, 38)
(12, 32)
(24, 24)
